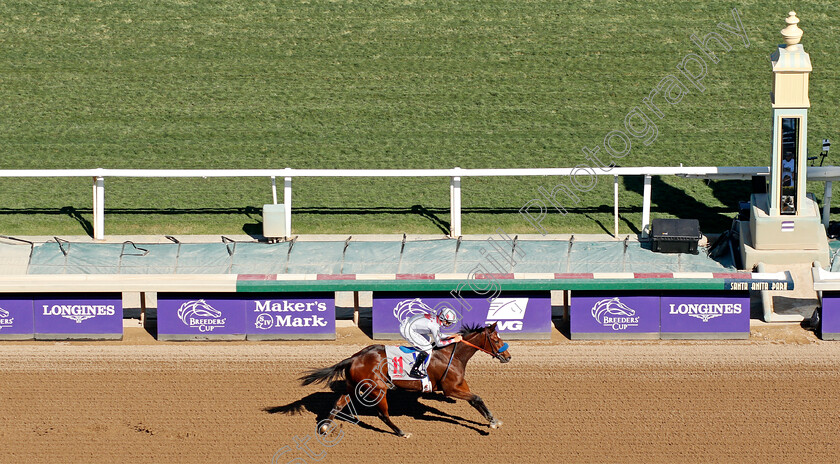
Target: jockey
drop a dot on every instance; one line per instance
(423, 331)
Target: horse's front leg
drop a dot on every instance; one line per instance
(479, 405)
(462, 392)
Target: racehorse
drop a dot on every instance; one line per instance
(446, 373)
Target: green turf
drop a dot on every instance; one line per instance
(360, 84)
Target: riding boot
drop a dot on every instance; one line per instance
(418, 365)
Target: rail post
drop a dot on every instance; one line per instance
(646, 208)
(827, 203)
(287, 201)
(455, 205)
(615, 202)
(99, 208)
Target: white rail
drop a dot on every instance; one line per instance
(826, 174)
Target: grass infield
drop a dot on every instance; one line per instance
(361, 84)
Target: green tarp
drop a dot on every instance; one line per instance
(363, 257)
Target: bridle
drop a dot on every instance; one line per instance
(496, 354)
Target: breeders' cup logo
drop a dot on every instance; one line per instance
(705, 311)
(79, 312)
(406, 309)
(200, 315)
(5, 320)
(507, 313)
(614, 314)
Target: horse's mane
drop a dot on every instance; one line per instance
(467, 329)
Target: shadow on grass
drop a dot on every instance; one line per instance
(433, 215)
(77, 215)
(667, 199)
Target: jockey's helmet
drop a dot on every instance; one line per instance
(446, 317)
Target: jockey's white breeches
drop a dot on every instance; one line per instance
(420, 341)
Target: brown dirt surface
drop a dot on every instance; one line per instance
(773, 398)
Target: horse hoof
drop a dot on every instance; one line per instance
(406, 435)
(496, 424)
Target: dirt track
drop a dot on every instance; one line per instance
(771, 399)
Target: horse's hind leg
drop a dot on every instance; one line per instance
(339, 405)
(382, 405)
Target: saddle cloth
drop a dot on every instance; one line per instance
(400, 360)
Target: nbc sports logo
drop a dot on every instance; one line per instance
(508, 313)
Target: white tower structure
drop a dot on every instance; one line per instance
(785, 226)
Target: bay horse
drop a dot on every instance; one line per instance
(446, 370)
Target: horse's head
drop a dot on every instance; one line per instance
(488, 339)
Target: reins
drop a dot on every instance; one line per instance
(493, 354)
(451, 355)
(455, 347)
(476, 347)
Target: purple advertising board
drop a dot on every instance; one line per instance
(74, 316)
(16, 318)
(830, 316)
(290, 316)
(191, 317)
(628, 315)
(517, 315)
(698, 315)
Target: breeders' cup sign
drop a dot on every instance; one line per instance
(198, 314)
(191, 317)
(612, 313)
(829, 320)
(75, 316)
(689, 314)
(616, 316)
(516, 315)
(16, 319)
(291, 316)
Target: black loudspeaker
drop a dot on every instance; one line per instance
(675, 235)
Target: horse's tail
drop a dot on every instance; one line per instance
(327, 374)
(334, 372)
